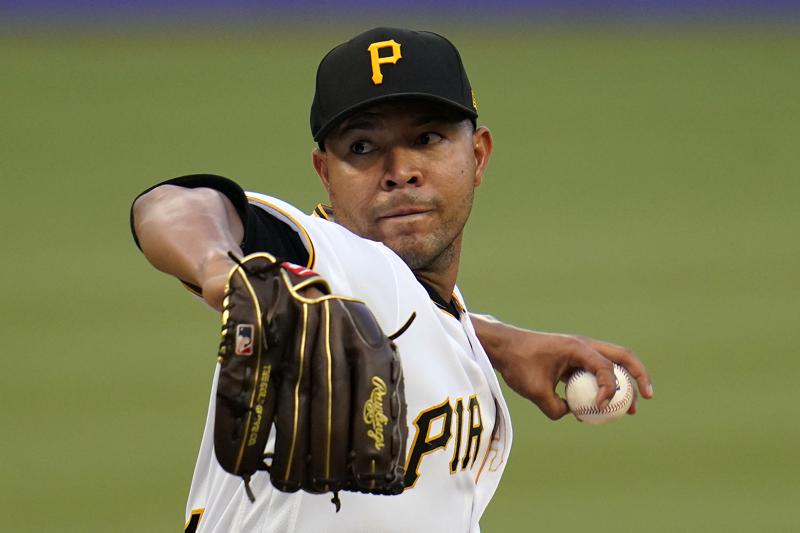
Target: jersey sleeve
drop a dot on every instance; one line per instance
(263, 232)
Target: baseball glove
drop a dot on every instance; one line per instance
(321, 371)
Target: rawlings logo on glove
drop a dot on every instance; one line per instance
(373, 412)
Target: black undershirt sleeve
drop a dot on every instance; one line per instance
(262, 231)
(265, 233)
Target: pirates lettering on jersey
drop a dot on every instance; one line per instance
(475, 431)
(425, 443)
(459, 424)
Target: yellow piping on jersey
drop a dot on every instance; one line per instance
(311, 254)
(457, 301)
(324, 211)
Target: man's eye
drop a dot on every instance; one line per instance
(429, 138)
(361, 147)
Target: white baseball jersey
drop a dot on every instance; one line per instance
(459, 427)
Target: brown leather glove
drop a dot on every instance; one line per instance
(321, 370)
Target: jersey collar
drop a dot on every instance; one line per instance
(452, 307)
(323, 211)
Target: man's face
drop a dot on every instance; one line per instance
(404, 173)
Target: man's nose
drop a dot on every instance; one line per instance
(402, 169)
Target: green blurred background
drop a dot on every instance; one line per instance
(644, 189)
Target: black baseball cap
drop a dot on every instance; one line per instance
(386, 64)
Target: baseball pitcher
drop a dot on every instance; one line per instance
(353, 390)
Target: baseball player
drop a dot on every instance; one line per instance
(399, 154)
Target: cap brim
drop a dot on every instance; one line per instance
(339, 117)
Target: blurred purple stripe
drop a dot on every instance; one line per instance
(19, 15)
(597, 6)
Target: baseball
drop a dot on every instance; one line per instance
(582, 390)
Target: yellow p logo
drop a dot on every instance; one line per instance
(377, 60)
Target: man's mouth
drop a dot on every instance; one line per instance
(404, 211)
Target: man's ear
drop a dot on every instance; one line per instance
(320, 161)
(482, 147)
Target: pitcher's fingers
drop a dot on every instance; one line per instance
(632, 409)
(628, 359)
(584, 356)
(552, 405)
